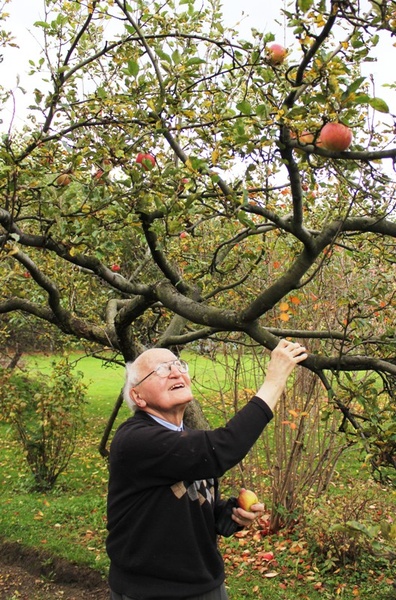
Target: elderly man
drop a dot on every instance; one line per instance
(164, 508)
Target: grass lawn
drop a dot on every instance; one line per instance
(70, 522)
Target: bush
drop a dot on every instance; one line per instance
(350, 529)
(46, 417)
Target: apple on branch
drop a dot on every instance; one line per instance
(276, 54)
(246, 499)
(335, 137)
(146, 160)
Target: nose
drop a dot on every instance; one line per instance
(173, 371)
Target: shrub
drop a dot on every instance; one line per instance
(46, 416)
(346, 530)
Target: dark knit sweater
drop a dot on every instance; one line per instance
(163, 503)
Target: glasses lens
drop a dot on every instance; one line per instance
(164, 369)
(182, 366)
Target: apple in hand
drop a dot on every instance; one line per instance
(246, 499)
(276, 54)
(146, 160)
(335, 137)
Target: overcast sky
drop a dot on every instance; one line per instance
(260, 14)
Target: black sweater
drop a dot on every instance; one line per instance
(163, 503)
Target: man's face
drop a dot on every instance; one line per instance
(161, 396)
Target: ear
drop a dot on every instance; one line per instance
(136, 398)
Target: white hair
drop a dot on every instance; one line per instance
(131, 378)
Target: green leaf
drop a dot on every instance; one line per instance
(101, 93)
(379, 104)
(354, 86)
(42, 24)
(244, 107)
(133, 68)
(195, 61)
(164, 56)
(262, 111)
(362, 99)
(176, 57)
(305, 5)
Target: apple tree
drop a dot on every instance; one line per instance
(174, 183)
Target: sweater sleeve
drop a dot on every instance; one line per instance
(169, 456)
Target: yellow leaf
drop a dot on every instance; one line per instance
(284, 316)
(215, 156)
(283, 306)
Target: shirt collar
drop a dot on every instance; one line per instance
(167, 424)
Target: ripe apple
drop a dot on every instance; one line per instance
(64, 179)
(276, 54)
(246, 499)
(335, 137)
(115, 268)
(146, 160)
(183, 235)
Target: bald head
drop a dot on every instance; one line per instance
(146, 361)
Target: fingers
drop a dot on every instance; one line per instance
(294, 350)
(245, 518)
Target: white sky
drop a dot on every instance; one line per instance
(260, 14)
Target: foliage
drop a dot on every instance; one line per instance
(239, 217)
(350, 529)
(45, 417)
(374, 406)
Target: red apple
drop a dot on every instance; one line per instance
(267, 555)
(64, 179)
(146, 160)
(335, 137)
(183, 235)
(246, 499)
(115, 268)
(276, 54)
(26, 274)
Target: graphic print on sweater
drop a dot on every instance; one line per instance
(201, 490)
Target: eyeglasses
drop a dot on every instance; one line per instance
(163, 370)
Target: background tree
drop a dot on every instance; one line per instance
(237, 215)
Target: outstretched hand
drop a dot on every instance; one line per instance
(284, 359)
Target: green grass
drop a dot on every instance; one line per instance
(69, 521)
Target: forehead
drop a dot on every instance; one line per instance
(152, 358)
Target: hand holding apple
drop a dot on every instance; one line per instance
(243, 514)
(246, 499)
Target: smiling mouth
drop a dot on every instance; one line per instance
(177, 386)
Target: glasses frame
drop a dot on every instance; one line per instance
(182, 363)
